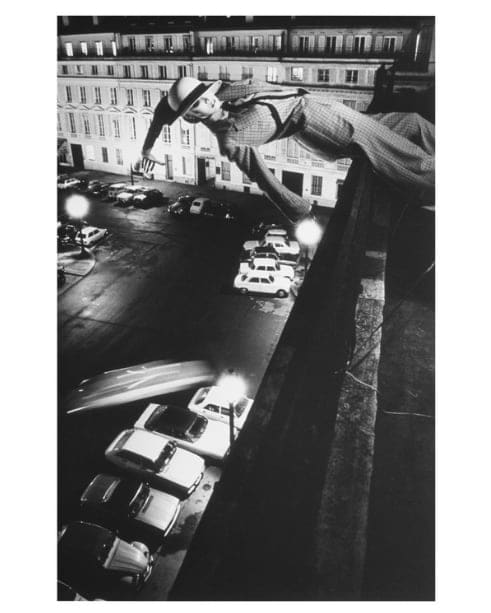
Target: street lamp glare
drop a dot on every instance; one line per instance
(308, 232)
(233, 385)
(77, 206)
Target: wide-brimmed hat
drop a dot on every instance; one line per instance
(185, 91)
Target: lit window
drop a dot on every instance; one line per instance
(166, 137)
(105, 157)
(149, 43)
(100, 121)
(277, 42)
(114, 48)
(116, 131)
(316, 186)
(351, 76)
(83, 96)
(168, 44)
(389, 44)
(84, 48)
(99, 47)
(97, 95)
(68, 91)
(129, 97)
(184, 135)
(119, 157)
(114, 95)
(146, 98)
(89, 152)
(225, 171)
(323, 75)
(208, 46)
(360, 42)
(69, 49)
(303, 44)
(272, 74)
(330, 47)
(297, 73)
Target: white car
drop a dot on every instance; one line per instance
(156, 459)
(90, 235)
(282, 244)
(213, 402)
(270, 265)
(68, 183)
(210, 439)
(263, 283)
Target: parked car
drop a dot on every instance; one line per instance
(124, 198)
(100, 190)
(262, 228)
(82, 184)
(262, 283)
(135, 509)
(92, 185)
(91, 557)
(209, 439)
(67, 183)
(198, 205)
(114, 190)
(282, 244)
(213, 402)
(157, 459)
(152, 197)
(263, 251)
(271, 265)
(61, 275)
(180, 208)
(90, 235)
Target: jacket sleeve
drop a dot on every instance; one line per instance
(250, 161)
(162, 115)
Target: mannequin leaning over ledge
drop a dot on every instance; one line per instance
(247, 114)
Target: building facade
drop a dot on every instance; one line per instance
(112, 73)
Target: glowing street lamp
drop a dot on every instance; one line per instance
(308, 233)
(77, 206)
(234, 388)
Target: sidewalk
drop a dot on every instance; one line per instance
(76, 267)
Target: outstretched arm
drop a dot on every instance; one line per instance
(163, 115)
(250, 161)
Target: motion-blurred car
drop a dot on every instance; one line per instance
(136, 383)
(68, 183)
(262, 283)
(157, 459)
(189, 430)
(271, 265)
(214, 403)
(135, 509)
(153, 197)
(282, 244)
(90, 235)
(219, 210)
(91, 557)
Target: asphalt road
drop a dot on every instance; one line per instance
(160, 289)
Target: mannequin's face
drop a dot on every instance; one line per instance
(204, 107)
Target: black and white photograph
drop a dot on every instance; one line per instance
(257, 377)
(246, 256)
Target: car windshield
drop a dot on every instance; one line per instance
(198, 427)
(166, 456)
(125, 494)
(171, 420)
(139, 500)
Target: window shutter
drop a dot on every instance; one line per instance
(249, 42)
(260, 40)
(368, 43)
(339, 43)
(378, 43)
(214, 42)
(311, 42)
(349, 42)
(370, 77)
(295, 42)
(270, 42)
(398, 44)
(236, 42)
(341, 75)
(224, 42)
(321, 43)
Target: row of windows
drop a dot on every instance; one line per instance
(296, 73)
(114, 99)
(86, 46)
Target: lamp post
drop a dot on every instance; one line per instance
(234, 388)
(77, 206)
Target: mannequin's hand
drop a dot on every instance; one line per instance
(147, 163)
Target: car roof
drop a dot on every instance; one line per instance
(100, 488)
(217, 395)
(86, 229)
(144, 443)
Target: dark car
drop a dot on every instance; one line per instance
(154, 197)
(180, 208)
(131, 506)
(259, 230)
(82, 185)
(91, 558)
(100, 190)
(218, 210)
(262, 251)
